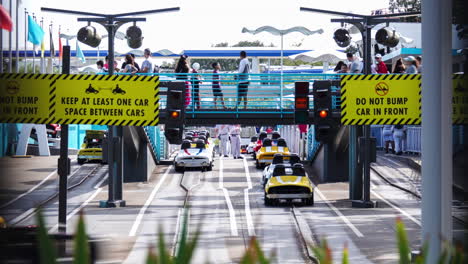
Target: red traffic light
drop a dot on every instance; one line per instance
(323, 113)
(302, 103)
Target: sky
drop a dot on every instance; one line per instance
(202, 23)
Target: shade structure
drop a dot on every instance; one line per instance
(279, 32)
(321, 55)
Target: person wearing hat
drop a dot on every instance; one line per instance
(380, 65)
(147, 66)
(411, 65)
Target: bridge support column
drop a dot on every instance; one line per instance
(436, 125)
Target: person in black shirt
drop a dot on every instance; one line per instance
(134, 62)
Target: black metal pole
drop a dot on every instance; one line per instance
(367, 70)
(115, 195)
(64, 161)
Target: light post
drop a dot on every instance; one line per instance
(111, 23)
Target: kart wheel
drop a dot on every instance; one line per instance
(254, 156)
(268, 201)
(209, 168)
(257, 165)
(310, 201)
(179, 168)
(81, 161)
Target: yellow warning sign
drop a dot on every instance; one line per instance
(24, 98)
(121, 100)
(460, 99)
(380, 99)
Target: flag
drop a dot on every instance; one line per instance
(35, 32)
(52, 48)
(79, 53)
(60, 46)
(42, 49)
(5, 20)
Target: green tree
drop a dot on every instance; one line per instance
(401, 6)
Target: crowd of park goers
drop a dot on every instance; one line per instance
(407, 65)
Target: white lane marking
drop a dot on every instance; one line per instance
(140, 215)
(33, 188)
(248, 213)
(416, 221)
(21, 216)
(232, 213)
(76, 210)
(247, 173)
(343, 218)
(100, 182)
(175, 245)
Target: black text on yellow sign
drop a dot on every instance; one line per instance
(24, 98)
(121, 100)
(460, 99)
(380, 99)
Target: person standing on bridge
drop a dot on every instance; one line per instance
(243, 78)
(223, 135)
(147, 65)
(380, 65)
(235, 141)
(181, 69)
(355, 65)
(216, 85)
(196, 84)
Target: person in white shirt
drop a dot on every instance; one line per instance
(147, 66)
(243, 78)
(223, 135)
(235, 141)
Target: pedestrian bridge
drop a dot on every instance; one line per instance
(270, 97)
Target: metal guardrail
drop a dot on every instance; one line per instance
(157, 141)
(264, 92)
(312, 145)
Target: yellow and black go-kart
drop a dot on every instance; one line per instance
(268, 150)
(289, 182)
(91, 149)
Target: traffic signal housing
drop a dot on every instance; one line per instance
(301, 102)
(175, 112)
(324, 122)
(89, 36)
(134, 37)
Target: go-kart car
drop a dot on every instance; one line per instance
(194, 155)
(91, 149)
(252, 144)
(53, 130)
(289, 182)
(261, 136)
(278, 158)
(268, 150)
(243, 149)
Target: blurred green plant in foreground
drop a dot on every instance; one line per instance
(253, 255)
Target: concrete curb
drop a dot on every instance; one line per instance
(306, 234)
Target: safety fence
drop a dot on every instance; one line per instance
(225, 92)
(313, 146)
(157, 141)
